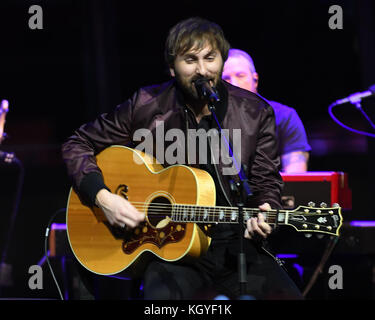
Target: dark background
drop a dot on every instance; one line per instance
(92, 55)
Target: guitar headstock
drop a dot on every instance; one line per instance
(319, 220)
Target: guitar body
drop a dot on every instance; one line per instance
(174, 200)
(106, 250)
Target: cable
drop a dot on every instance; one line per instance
(345, 126)
(46, 249)
(319, 269)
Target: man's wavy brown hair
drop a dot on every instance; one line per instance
(194, 33)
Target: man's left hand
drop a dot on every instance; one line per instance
(257, 225)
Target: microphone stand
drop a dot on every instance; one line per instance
(359, 107)
(357, 103)
(241, 190)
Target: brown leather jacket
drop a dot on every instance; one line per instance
(239, 109)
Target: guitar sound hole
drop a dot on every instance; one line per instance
(159, 212)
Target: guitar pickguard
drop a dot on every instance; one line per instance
(173, 232)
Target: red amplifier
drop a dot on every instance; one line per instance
(316, 186)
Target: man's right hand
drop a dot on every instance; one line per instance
(119, 211)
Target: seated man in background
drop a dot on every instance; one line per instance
(293, 147)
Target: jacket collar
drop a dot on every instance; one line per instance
(221, 106)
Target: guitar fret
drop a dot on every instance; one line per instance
(265, 215)
(212, 214)
(192, 213)
(185, 214)
(246, 215)
(286, 217)
(221, 215)
(205, 216)
(234, 215)
(181, 213)
(227, 217)
(201, 211)
(173, 212)
(176, 216)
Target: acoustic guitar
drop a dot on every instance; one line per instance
(179, 205)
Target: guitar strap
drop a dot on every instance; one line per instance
(241, 176)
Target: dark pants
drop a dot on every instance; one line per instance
(215, 274)
(212, 275)
(96, 287)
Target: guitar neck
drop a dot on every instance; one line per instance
(202, 214)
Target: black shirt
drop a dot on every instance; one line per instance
(221, 232)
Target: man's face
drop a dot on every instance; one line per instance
(237, 72)
(194, 64)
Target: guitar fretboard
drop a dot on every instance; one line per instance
(202, 214)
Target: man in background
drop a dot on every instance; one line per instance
(293, 147)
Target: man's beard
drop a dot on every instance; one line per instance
(189, 90)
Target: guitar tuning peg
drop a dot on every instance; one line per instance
(323, 205)
(335, 205)
(308, 235)
(311, 204)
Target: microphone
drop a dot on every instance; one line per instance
(357, 97)
(205, 90)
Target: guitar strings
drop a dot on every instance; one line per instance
(159, 211)
(160, 207)
(227, 219)
(156, 208)
(200, 206)
(181, 206)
